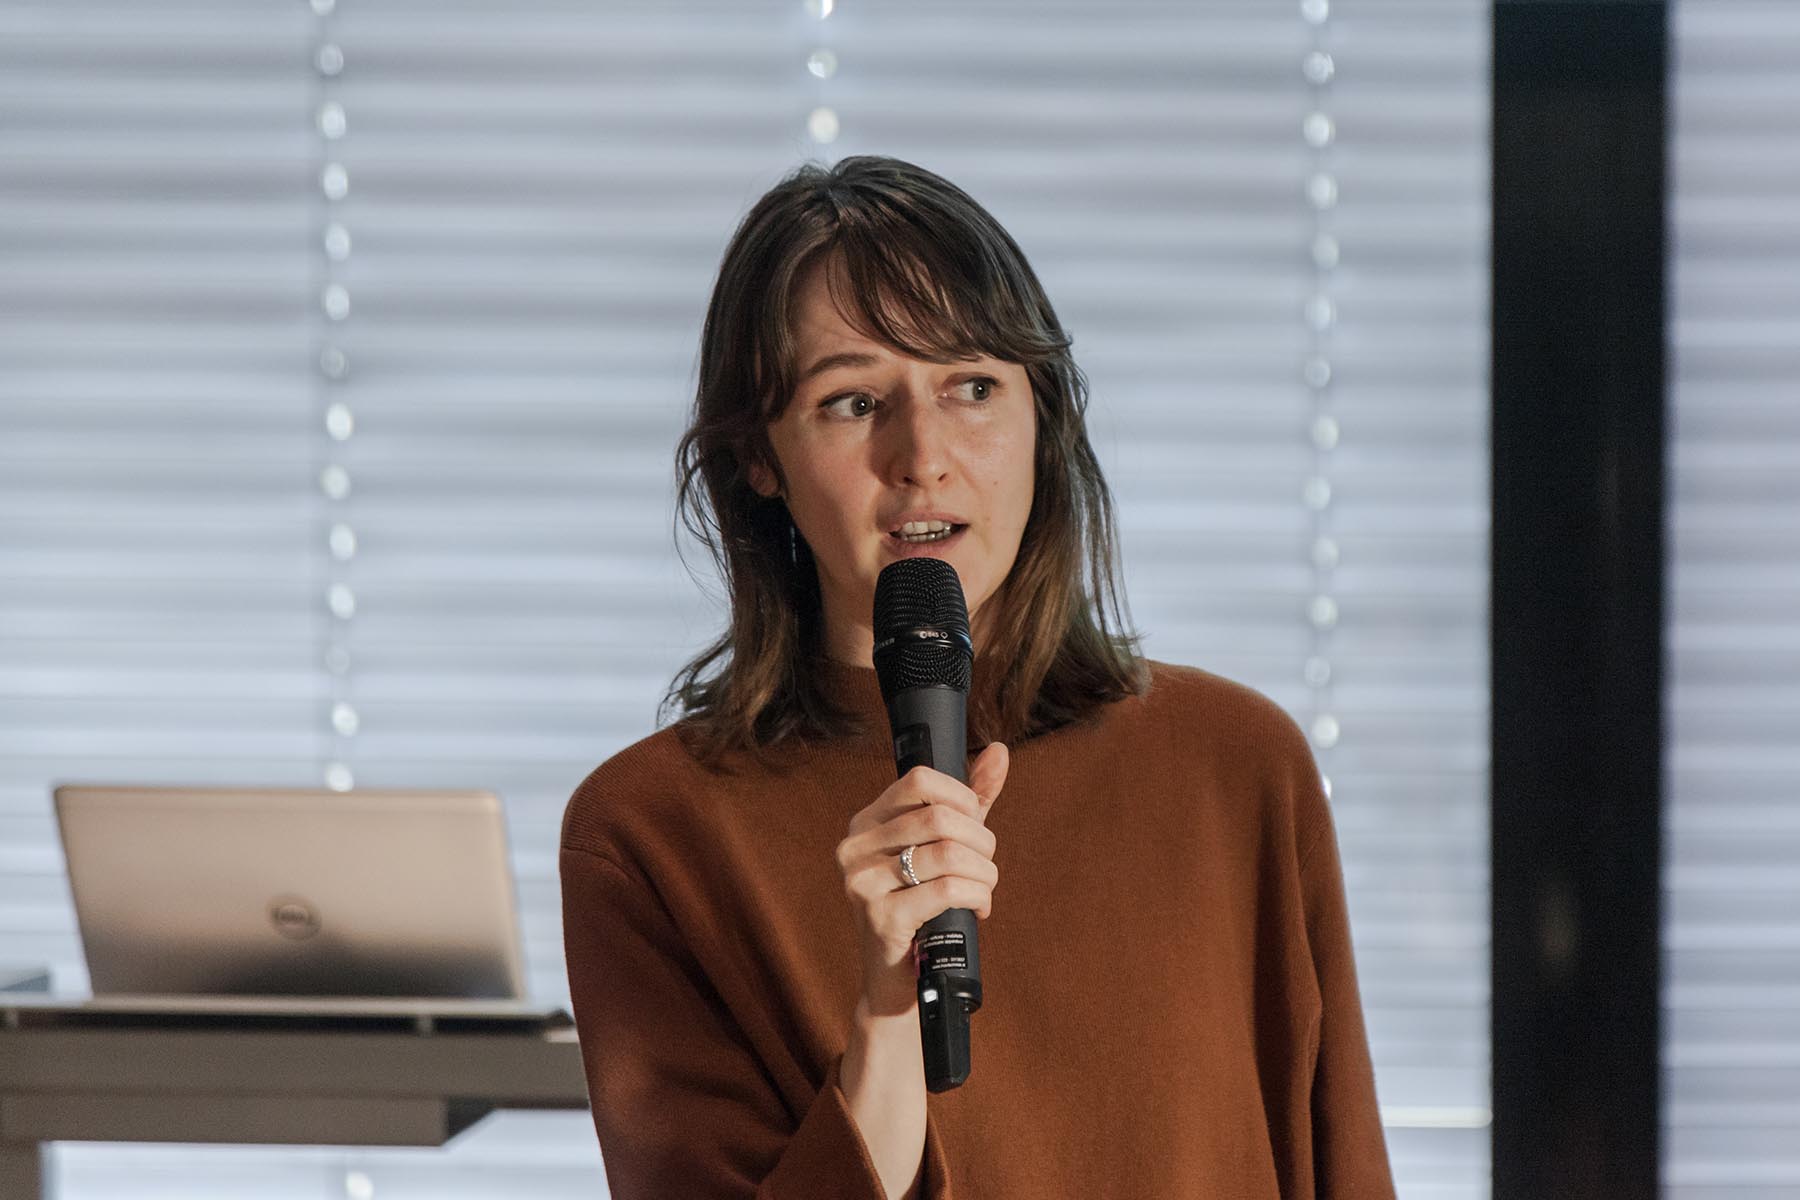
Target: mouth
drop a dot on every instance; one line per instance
(925, 537)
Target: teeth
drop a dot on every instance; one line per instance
(924, 531)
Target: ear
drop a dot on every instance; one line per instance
(762, 481)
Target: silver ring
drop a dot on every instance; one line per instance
(906, 867)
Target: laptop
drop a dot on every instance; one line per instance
(268, 900)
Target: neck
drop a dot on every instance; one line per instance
(850, 643)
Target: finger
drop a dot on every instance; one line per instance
(988, 774)
(912, 907)
(935, 860)
(935, 823)
(920, 826)
(917, 787)
(872, 830)
(924, 785)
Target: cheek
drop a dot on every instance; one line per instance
(825, 499)
(1010, 472)
(1014, 474)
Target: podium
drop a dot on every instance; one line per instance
(227, 1070)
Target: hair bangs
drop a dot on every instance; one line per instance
(934, 295)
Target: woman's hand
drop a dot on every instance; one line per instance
(954, 863)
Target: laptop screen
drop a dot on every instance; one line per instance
(292, 891)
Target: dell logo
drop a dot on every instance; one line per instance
(293, 918)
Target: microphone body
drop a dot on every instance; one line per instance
(923, 657)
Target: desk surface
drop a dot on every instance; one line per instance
(376, 1050)
(74, 1072)
(372, 1014)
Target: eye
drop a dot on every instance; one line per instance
(987, 385)
(861, 404)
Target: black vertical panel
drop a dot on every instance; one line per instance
(1578, 453)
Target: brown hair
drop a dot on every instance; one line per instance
(931, 273)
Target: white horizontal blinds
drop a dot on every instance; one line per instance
(157, 614)
(1156, 163)
(1408, 512)
(156, 619)
(537, 203)
(1731, 932)
(486, 320)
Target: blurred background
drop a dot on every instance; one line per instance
(344, 348)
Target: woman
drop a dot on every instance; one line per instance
(1170, 1004)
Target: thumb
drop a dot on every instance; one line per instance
(988, 774)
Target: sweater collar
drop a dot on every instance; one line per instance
(856, 689)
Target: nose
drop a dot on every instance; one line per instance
(917, 443)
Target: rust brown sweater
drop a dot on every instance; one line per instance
(1170, 1008)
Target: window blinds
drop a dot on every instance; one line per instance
(1731, 935)
(1253, 217)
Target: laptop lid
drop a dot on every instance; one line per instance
(292, 891)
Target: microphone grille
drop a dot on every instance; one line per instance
(921, 594)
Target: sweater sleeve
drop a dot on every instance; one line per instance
(682, 1104)
(1350, 1160)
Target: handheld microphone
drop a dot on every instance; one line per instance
(923, 659)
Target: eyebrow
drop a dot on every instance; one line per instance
(848, 358)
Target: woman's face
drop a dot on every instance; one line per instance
(873, 439)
